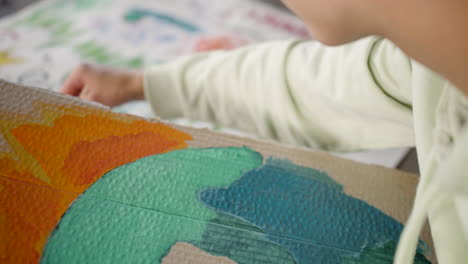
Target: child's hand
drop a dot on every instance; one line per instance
(104, 85)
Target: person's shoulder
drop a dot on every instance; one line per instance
(391, 69)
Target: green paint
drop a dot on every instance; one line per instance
(86, 4)
(380, 255)
(51, 19)
(135, 213)
(180, 175)
(61, 29)
(136, 62)
(101, 231)
(137, 14)
(30, 20)
(241, 242)
(99, 53)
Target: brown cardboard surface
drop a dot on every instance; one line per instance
(391, 191)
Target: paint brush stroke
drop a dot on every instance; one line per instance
(136, 15)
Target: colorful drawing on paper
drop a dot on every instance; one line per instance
(129, 34)
(90, 186)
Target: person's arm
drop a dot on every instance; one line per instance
(352, 97)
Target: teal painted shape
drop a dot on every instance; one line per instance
(96, 230)
(151, 201)
(312, 174)
(135, 15)
(306, 212)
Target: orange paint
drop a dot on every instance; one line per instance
(112, 152)
(28, 214)
(53, 145)
(58, 156)
(13, 169)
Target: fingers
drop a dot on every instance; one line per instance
(87, 94)
(75, 83)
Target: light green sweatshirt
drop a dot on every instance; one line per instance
(364, 95)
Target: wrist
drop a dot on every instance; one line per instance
(136, 85)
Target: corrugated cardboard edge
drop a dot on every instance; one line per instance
(392, 191)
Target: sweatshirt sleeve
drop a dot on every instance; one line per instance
(352, 97)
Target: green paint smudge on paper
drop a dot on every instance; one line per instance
(136, 15)
(99, 53)
(61, 29)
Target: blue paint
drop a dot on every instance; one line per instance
(135, 15)
(305, 211)
(304, 172)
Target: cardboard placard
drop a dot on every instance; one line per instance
(81, 184)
